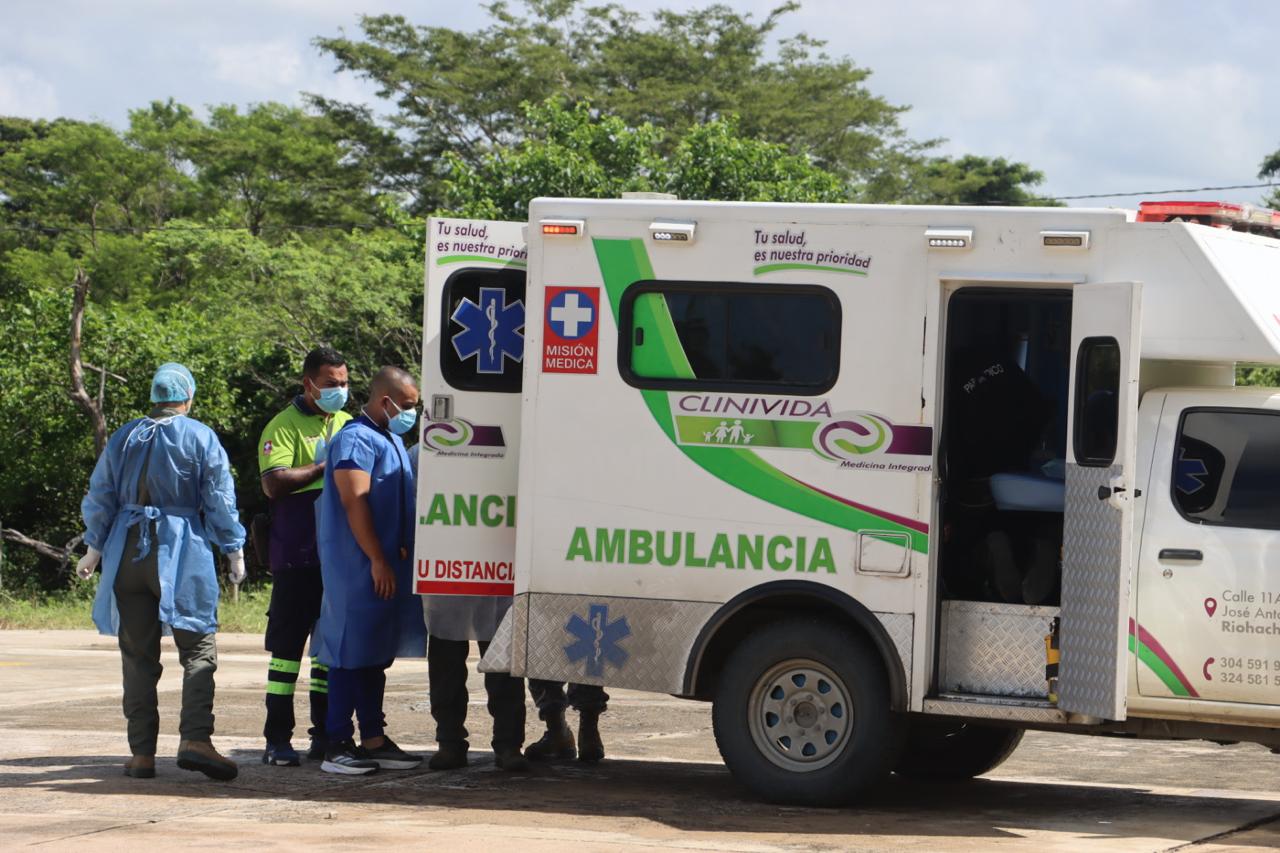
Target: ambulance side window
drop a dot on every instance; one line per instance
(746, 337)
(1226, 467)
(482, 330)
(1097, 414)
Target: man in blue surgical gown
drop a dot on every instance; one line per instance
(369, 615)
(161, 494)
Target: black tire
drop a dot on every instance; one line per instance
(953, 750)
(825, 677)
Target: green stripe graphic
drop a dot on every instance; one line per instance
(1159, 667)
(623, 262)
(757, 432)
(768, 268)
(484, 259)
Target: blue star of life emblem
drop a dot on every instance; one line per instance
(491, 330)
(597, 640)
(1189, 473)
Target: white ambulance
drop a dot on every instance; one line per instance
(856, 474)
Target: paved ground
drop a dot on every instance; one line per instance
(663, 786)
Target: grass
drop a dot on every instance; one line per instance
(71, 609)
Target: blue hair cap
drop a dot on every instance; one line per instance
(173, 383)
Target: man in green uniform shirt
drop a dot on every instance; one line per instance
(291, 458)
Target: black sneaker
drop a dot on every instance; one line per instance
(319, 746)
(391, 757)
(347, 759)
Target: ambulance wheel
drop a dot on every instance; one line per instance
(951, 750)
(802, 715)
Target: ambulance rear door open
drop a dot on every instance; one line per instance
(1100, 493)
(472, 358)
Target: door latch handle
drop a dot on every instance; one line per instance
(1189, 554)
(1105, 492)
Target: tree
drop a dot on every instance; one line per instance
(462, 93)
(278, 165)
(976, 180)
(1271, 171)
(575, 152)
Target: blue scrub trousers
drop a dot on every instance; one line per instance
(359, 692)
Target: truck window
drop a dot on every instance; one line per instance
(1226, 468)
(742, 337)
(1097, 415)
(482, 330)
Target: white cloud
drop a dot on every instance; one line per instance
(263, 65)
(24, 93)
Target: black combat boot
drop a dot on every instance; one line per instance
(449, 756)
(556, 744)
(590, 747)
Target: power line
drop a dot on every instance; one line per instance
(1165, 192)
(418, 223)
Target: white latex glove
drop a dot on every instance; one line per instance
(236, 571)
(88, 563)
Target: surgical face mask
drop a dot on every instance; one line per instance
(403, 420)
(331, 399)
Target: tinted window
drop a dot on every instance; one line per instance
(731, 336)
(1226, 468)
(1097, 418)
(482, 332)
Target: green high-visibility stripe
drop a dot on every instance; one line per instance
(319, 687)
(281, 665)
(280, 688)
(315, 664)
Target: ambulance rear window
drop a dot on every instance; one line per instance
(1226, 468)
(745, 337)
(482, 330)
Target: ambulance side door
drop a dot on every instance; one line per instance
(472, 360)
(1101, 489)
(1208, 609)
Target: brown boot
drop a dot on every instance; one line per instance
(555, 744)
(590, 746)
(200, 755)
(141, 767)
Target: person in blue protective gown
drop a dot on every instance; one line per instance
(160, 495)
(369, 615)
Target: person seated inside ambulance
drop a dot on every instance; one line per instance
(1005, 483)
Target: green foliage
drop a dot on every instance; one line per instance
(461, 94)
(1265, 376)
(70, 609)
(1270, 171)
(976, 180)
(577, 153)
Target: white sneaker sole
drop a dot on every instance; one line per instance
(345, 770)
(394, 764)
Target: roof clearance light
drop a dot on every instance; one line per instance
(1065, 239)
(563, 227)
(949, 238)
(676, 233)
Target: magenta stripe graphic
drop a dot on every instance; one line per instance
(918, 526)
(1144, 637)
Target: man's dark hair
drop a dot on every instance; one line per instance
(321, 357)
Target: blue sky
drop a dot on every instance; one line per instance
(1101, 95)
